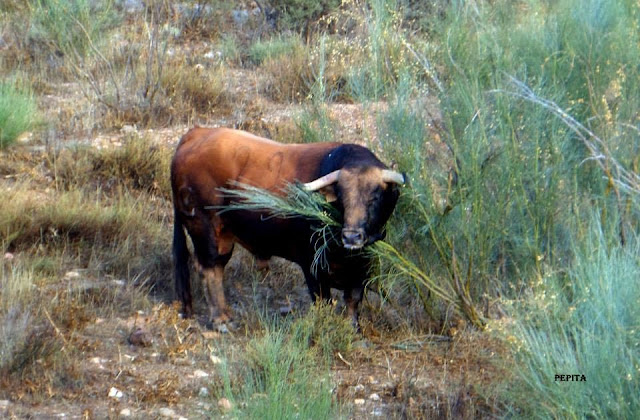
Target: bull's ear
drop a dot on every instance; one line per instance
(329, 193)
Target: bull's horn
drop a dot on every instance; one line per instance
(392, 176)
(323, 181)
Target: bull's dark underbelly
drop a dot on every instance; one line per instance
(266, 236)
(292, 239)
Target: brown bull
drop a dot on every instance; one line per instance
(363, 190)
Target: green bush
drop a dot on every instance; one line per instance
(17, 113)
(537, 137)
(584, 322)
(300, 14)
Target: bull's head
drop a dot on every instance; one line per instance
(366, 196)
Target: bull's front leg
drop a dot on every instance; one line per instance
(352, 299)
(317, 288)
(219, 312)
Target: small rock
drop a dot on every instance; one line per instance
(4, 404)
(200, 374)
(167, 412)
(285, 310)
(125, 412)
(377, 412)
(25, 137)
(215, 359)
(224, 404)
(128, 129)
(358, 388)
(141, 338)
(71, 275)
(115, 393)
(203, 392)
(359, 401)
(374, 397)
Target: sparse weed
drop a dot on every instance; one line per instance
(325, 330)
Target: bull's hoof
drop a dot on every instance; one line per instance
(222, 323)
(221, 328)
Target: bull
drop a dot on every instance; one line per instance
(362, 189)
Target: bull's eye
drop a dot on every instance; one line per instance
(375, 195)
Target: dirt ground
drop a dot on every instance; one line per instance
(153, 364)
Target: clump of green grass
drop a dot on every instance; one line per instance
(326, 331)
(70, 27)
(285, 371)
(315, 124)
(277, 48)
(18, 113)
(17, 286)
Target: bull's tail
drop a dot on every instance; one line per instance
(181, 265)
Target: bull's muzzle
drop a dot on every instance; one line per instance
(353, 238)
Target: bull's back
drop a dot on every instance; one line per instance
(207, 159)
(223, 156)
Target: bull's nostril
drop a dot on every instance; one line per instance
(352, 238)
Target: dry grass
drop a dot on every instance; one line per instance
(196, 91)
(287, 80)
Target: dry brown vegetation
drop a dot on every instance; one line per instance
(88, 323)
